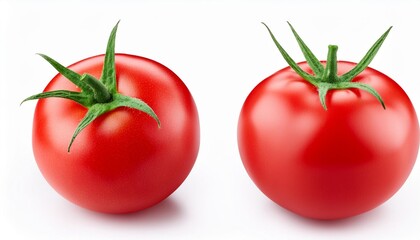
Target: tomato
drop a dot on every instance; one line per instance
(122, 161)
(334, 162)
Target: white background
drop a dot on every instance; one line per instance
(221, 51)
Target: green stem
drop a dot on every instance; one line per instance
(98, 96)
(327, 79)
(330, 73)
(100, 92)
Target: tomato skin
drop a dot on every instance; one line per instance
(122, 162)
(328, 164)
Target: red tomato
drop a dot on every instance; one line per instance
(333, 163)
(95, 137)
(327, 164)
(122, 162)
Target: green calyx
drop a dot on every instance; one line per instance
(98, 96)
(326, 78)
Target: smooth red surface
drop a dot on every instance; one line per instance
(328, 164)
(122, 162)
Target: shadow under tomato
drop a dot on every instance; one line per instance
(165, 211)
(338, 224)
